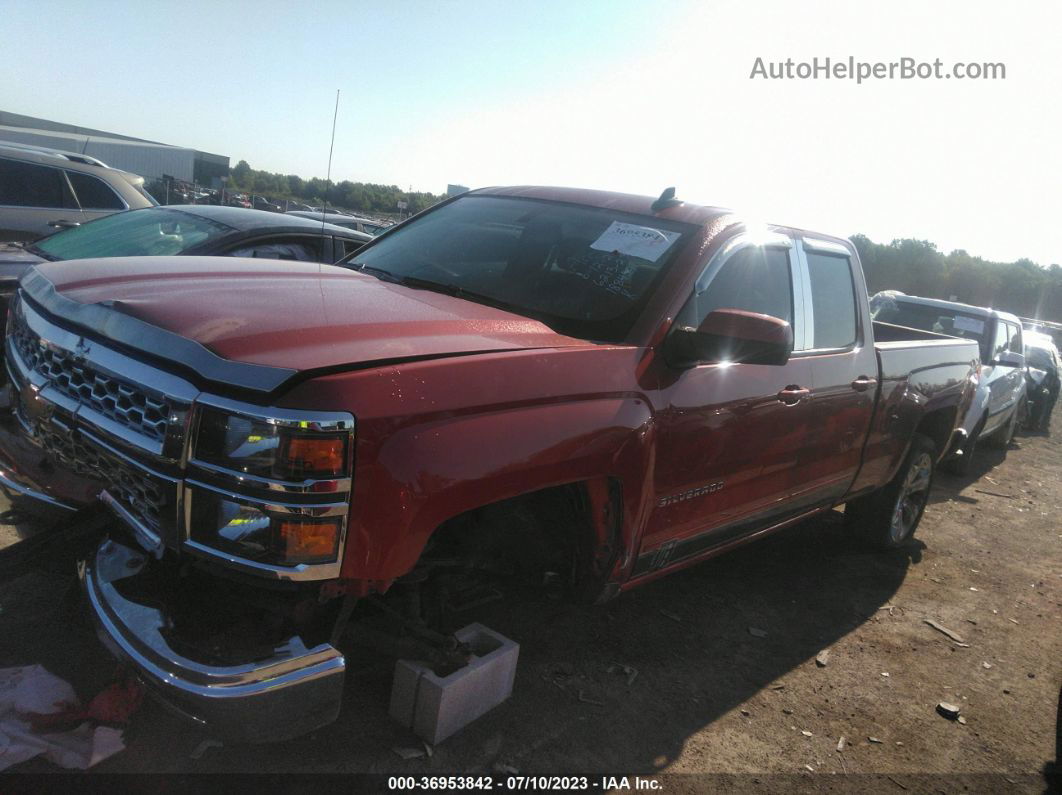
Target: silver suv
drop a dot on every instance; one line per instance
(998, 404)
(43, 190)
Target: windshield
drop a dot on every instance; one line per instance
(584, 271)
(148, 232)
(1040, 358)
(942, 320)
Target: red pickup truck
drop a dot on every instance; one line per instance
(577, 388)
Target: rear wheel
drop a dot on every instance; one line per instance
(888, 518)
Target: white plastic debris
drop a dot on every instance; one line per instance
(32, 690)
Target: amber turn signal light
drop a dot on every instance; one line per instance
(307, 542)
(314, 456)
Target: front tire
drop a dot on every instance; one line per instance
(888, 518)
(963, 465)
(1002, 438)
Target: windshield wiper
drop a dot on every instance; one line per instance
(379, 273)
(416, 283)
(32, 249)
(409, 281)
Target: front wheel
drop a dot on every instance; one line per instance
(963, 465)
(1002, 438)
(888, 518)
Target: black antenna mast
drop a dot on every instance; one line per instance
(667, 199)
(328, 176)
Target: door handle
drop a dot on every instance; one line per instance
(793, 394)
(863, 383)
(63, 224)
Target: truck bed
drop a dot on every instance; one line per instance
(920, 372)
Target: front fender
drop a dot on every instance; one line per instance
(978, 409)
(441, 437)
(427, 473)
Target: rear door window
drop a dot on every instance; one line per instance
(832, 300)
(31, 185)
(93, 193)
(346, 247)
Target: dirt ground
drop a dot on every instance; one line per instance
(709, 696)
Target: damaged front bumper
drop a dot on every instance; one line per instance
(270, 697)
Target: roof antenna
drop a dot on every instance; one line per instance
(328, 176)
(667, 199)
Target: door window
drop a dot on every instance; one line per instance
(753, 279)
(346, 247)
(832, 300)
(1014, 344)
(1002, 339)
(30, 185)
(302, 250)
(93, 193)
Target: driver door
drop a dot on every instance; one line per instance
(731, 435)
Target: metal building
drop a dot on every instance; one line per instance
(149, 159)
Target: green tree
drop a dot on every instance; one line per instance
(240, 175)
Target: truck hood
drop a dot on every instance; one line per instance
(291, 316)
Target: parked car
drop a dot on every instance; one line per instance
(1042, 378)
(42, 190)
(1052, 330)
(341, 219)
(998, 407)
(519, 385)
(189, 230)
(262, 203)
(238, 200)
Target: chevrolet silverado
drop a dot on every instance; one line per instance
(579, 389)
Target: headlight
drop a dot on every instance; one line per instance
(269, 487)
(267, 449)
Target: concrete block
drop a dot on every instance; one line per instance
(435, 707)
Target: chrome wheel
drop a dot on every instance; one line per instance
(911, 501)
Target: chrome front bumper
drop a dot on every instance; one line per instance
(294, 691)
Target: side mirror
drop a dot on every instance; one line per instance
(1009, 359)
(732, 335)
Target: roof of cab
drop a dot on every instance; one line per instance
(622, 202)
(245, 219)
(684, 212)
(982, 311)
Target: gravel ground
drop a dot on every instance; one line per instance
(710, 696)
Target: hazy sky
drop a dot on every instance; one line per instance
(623, 95)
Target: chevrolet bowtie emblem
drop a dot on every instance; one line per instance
(81, 350)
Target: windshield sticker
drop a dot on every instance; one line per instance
(963, 323)
(611, 272)
(635, 241)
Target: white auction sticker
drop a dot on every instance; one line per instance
(635, 241)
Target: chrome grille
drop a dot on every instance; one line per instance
(141, 494)
(118, 400)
